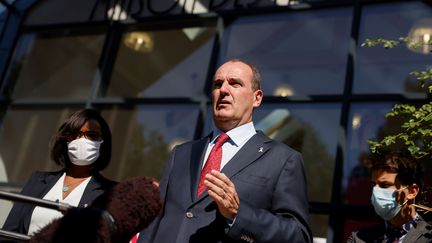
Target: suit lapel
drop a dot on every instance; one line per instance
(256, 147)
(196, 161)
(94, 184)
(417, 232)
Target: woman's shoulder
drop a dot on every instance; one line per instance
(46, 173)
(40, 175)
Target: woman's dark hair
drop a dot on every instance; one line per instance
(70, 128)
(408, 168)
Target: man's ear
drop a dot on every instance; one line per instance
(413, 191)
(258, 96)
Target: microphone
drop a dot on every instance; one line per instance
(116, 216)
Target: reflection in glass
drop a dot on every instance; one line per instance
(24, 139)
(374, 125)
(319, 227)
(378, 70)
(306, 51)
(421, 33)
(143, 136)
(354, 225)
(44, 64)
(310, 129)
(368, 122)
(152, 64)
(139, 41)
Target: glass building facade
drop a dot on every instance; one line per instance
(147, 67)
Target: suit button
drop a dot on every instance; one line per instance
(189, 214)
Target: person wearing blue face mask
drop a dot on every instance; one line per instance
(396, 180)
(82, 148)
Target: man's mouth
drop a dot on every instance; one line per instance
(224, 102)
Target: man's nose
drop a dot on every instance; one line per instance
(224, 87)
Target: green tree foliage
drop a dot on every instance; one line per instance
(415, 133)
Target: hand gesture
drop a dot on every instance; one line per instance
(222, 191)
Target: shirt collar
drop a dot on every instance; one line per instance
(405, 227)
(411, 224)
(239, 134)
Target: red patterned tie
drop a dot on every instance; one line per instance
(213, 161)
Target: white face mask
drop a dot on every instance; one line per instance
(83, 152)
(384, 202)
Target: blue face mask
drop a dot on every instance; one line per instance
(384, 202)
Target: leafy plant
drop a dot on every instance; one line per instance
(415, 132)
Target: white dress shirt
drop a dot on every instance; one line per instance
(42, 216)
(238, 137)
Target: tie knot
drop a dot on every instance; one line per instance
(221, 139)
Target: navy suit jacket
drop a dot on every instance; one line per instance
(38, 186)
(270, 182)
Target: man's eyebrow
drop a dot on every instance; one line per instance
(238, 80)
(220, 79)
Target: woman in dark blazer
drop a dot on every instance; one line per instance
(82, 146)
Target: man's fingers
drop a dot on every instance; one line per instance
(222, 177)
(214, 185)
(221, 189)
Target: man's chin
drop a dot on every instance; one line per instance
(222, 115)
(223, 123)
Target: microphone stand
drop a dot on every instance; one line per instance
(59, 206)
(62, 207)
(9, 235)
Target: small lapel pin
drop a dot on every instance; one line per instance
(261, 149)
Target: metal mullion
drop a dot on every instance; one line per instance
(106, 63)
(336, 219)
(47, 101)
(143, 101)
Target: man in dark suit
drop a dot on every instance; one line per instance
(397, 180)
(236, 184)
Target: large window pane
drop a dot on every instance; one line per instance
(162, 63)
(298, 54)
(310, 129)
(54, 65)
(378, 70)
(24, 138)
(144, 135)
(367, 121)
